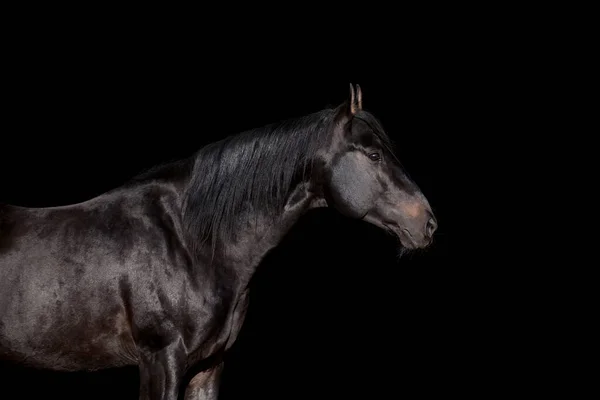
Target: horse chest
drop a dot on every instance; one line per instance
(220, 330)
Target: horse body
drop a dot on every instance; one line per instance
(113, 275)
(79, 274)
(156, 273)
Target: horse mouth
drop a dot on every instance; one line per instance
(403, 235)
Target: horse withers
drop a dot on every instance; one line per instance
(155, 273)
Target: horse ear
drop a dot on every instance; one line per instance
(347, 109)
(355, 99)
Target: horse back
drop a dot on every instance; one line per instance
(6, 225)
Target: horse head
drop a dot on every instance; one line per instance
(362, 178)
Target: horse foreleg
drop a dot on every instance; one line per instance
(205, 385)
(161, 372)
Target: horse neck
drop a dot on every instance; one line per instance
(262, 232)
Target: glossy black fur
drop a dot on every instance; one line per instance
(155, 273)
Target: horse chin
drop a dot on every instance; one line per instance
(402, 251)
(405, 246)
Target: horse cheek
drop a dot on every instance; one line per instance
(353, 189)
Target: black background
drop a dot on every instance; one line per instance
(333, 312)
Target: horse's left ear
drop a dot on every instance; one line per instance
(355, 99)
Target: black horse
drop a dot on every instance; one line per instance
(156, 273)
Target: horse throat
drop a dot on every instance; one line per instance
(262, 231)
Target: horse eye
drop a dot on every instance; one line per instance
(374, 156)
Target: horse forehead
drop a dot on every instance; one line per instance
(366, 138)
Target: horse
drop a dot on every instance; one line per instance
(155, 273)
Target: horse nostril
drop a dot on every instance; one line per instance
(430, 227)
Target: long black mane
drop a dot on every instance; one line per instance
(250, 172)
